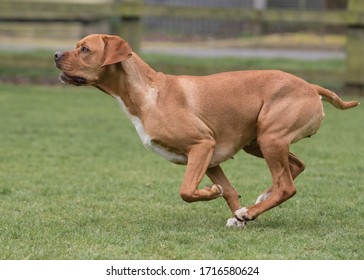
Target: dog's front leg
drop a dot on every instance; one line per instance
(216, 174)
(199, 158)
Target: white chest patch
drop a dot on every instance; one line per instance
(147, 140)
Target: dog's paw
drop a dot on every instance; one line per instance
(219, 190)
(215, 189)
(234, 223)
(242, 214)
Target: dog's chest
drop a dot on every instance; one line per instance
(147, 140)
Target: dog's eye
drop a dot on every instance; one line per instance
(85, 49)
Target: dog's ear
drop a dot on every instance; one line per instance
(115, 50)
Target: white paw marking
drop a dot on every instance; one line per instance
(263, 197)
(240, 213)
(233, 222)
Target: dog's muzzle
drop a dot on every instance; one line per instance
(64, 78)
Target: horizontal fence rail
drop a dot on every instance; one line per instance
(43, 11)
(33, 11)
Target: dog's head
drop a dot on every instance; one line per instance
(85, 64)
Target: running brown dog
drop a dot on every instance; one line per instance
(204, 121)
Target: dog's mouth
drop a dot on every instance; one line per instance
(77, 81)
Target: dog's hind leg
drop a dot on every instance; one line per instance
(296, 167)
(254, 149)
(282, 122)
(217, 176)
(276, 153)
(198, 160)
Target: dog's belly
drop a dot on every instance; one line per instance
(221, 154)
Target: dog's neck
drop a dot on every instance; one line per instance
(135, 86)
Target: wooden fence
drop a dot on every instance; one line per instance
(126, 17)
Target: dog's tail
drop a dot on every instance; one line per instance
(336, 101)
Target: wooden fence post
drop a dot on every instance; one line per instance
(130, 26)
(355, 51)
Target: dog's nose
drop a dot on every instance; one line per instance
(58, 56)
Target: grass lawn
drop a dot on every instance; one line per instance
(76, 183)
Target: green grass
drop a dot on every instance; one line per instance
(76, 183)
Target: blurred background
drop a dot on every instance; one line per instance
(319, 40)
